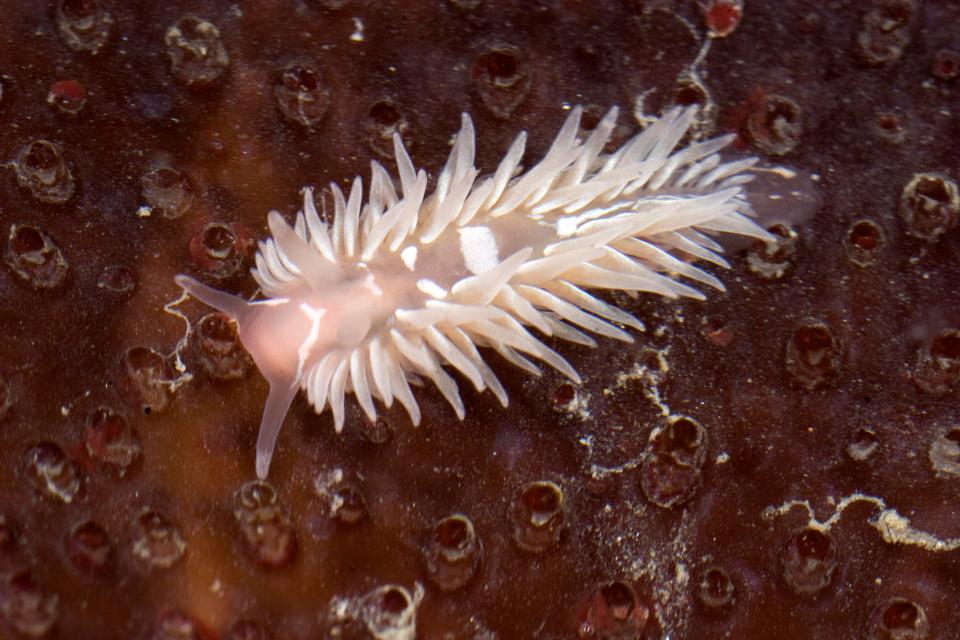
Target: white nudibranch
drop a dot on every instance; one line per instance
(409, 284)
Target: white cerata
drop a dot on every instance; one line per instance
(407, 283)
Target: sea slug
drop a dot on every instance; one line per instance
(405, 284)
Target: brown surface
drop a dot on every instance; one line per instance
(832, 380)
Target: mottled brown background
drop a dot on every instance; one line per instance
(814, 377)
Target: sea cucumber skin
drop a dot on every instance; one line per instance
(403, 285)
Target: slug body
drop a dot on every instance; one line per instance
(406, 283)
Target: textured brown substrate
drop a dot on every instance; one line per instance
(780, 461)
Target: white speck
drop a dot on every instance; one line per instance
(370, 284)
(783, 172)
(567, 226)
(431, 288)
(409, 257)
(144, 212)
(479, 249)
(323, 485)
(579, 406)
(723, 458)
(272, 302)
(357, 36)
(304, 351)
(216, 587)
